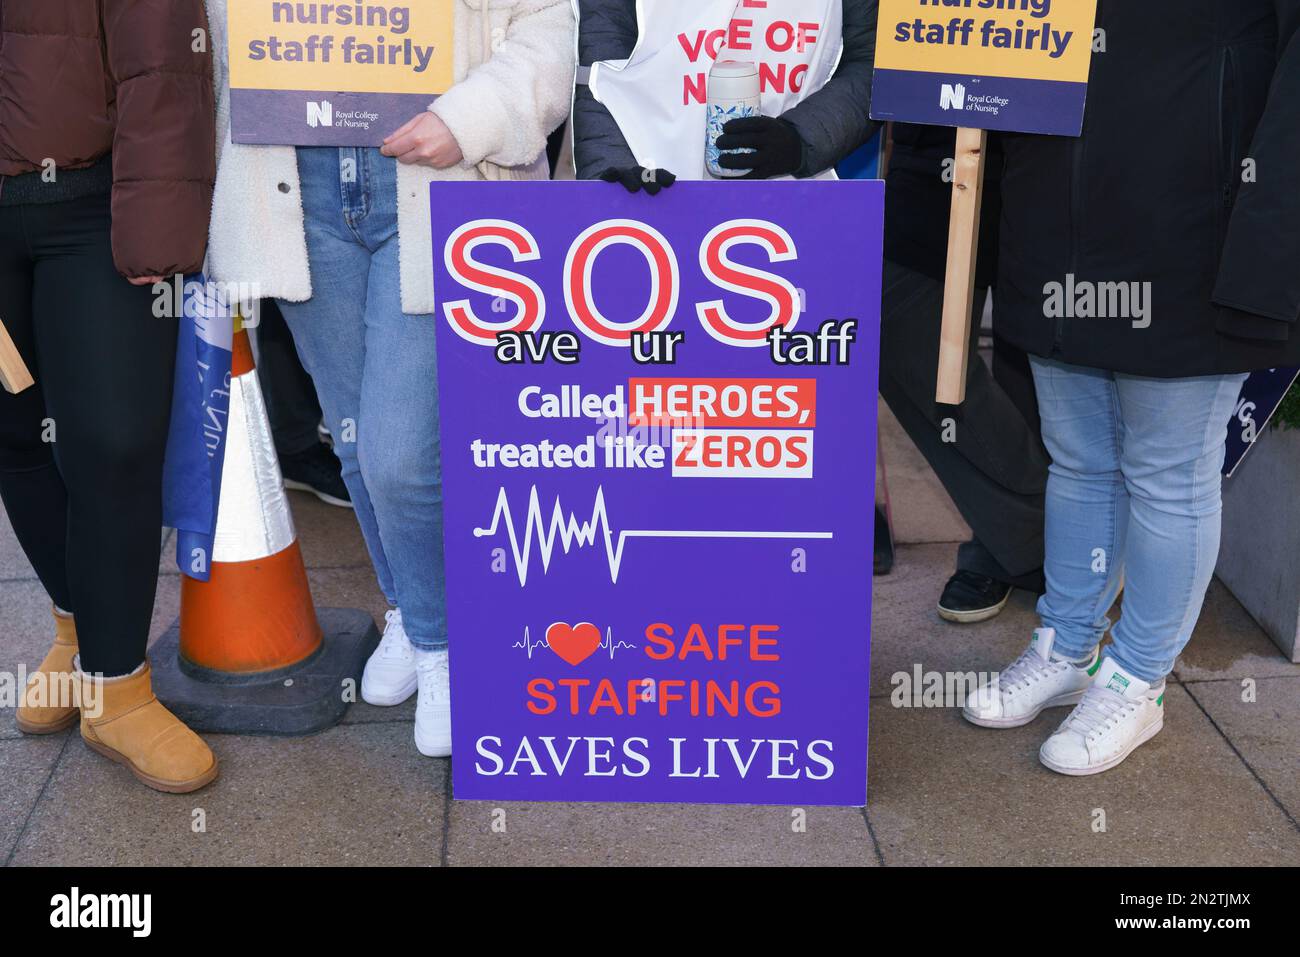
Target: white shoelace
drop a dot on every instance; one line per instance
(1028, 668)
(434, 680)
(394, 643)
(1099, 708)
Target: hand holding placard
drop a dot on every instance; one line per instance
(335, 74)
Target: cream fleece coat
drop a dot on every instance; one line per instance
(514, 66)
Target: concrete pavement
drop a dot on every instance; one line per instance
(1220, 785)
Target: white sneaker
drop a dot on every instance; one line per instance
(433, 707)
(389, 677)
(1034, 681)
(1118, 712)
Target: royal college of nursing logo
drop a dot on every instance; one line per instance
(320, 114)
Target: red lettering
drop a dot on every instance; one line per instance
(807, 35)
(657, 634)
(797, 446)
(782, 26)
(739, 36)
(695, 89)
(684, 459)
(664, 281)
(695, 642)
(458, 256)
(540, 689)
(778, 292)
(738, 450)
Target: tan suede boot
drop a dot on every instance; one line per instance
(49, 700)
(122, 720)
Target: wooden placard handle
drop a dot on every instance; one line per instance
(14, 373)
(959, 281)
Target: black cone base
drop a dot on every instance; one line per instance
(308, 697)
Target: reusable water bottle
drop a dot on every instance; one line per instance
(733, 93)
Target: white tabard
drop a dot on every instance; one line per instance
(659, 94)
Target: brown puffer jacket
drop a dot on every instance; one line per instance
(80, 79)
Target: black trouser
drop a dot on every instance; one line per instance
(995, 467)
(81, 452)
(291, 402)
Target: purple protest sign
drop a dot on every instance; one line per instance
(658, 572)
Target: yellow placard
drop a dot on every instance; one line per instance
(1024, 39)
(365, 46)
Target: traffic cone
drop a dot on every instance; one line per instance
(252, 653)
(255, 612)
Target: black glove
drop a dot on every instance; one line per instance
(638, 177)
(777, 146)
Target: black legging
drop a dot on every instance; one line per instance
(81, 452)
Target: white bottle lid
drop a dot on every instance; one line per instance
(734, 80)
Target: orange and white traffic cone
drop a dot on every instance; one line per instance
(255, 612)
(251, 654)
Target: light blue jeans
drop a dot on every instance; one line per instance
(376, 374)
(1133, 498)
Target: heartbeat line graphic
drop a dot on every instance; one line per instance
(571, 533)
(609, 644)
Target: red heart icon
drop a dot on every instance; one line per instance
(573, 643)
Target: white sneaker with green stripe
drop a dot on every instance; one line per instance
(1119, 711)
(1036, 680)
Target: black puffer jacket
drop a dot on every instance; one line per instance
(832, 122)
(1185, 93)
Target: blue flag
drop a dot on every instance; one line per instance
(196, 442)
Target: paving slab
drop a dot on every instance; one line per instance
(167, 553)
(348, 588)
(29, 629)
(328, 535)
(29, 632)
(25, 608)
(922, 510)
(1263, 730)
(166, 606)
(906, 630)
(25, 765)
(13, 563)
(356, 588)
(348, 796)
(941, 791)
(1228, 643)
(604, 835)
